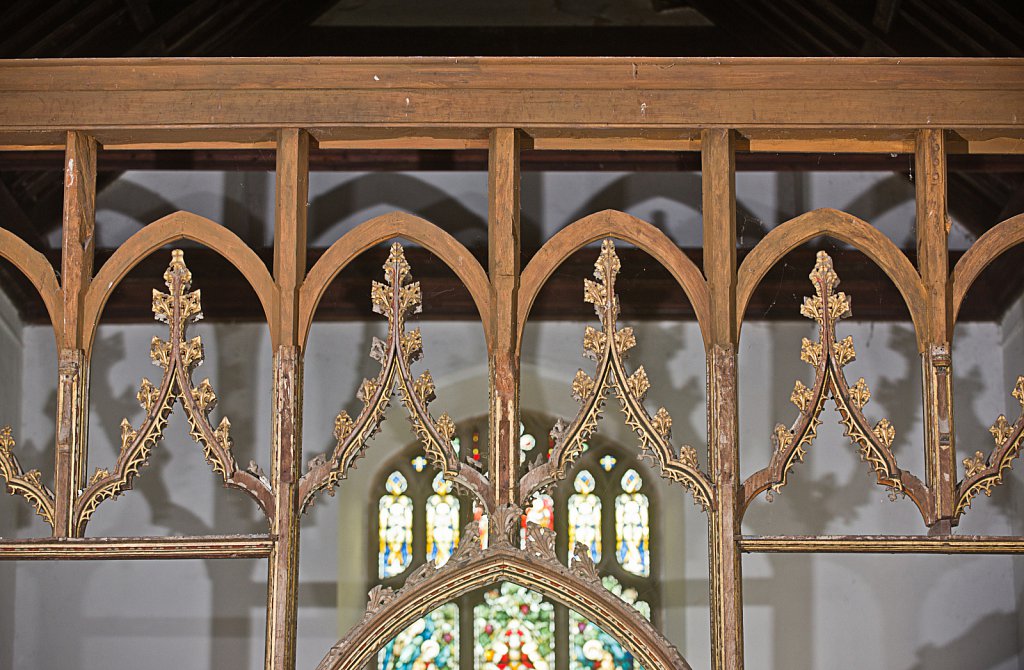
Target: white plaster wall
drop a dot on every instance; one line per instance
(11, 334)
(1013, 362)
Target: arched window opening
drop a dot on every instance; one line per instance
(601, 504)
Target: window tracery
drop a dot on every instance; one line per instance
(509, 626)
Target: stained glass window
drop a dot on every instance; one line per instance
(395, 510)
(431, 643)
(632, 526)
(585, 515)
(526, 442)
(594, 649)
(442, 522)
(540, 511)
(511, 627)
(514, 629)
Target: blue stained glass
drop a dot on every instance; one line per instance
(632, 526)
(395, 531)
(431, 643)
(442, 522)
(594, 649)
(585, 516)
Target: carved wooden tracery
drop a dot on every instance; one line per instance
(711, 107)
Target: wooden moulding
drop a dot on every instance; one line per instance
(881, 544)
(621, 226)
(845, 228)
(124, 548)
(173, 227)
(995, 242)
(381, 229)
(132, 102)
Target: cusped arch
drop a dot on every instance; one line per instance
(381, 229)
(845, 228)
(390, 615)
(996, 241)
(37, 270)
(176, 226)
(624, 227)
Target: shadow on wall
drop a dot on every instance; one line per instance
(817, 503)
(983, 647)
(396, 191)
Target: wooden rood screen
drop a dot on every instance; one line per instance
(716, 107)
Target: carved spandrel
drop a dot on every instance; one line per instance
(981, 473)
(829, 356)
(29, 484)
(177, 357)
(609, 347)
(395, 299)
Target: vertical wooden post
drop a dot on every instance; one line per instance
(936, 364)
(503, 263)
(292, 189)
(77, 247)
(718, 166)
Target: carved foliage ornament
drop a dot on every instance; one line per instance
(828, 356)
(981, 474)
(28, 484)
(609, 347)
(396, 299)
(177, 356)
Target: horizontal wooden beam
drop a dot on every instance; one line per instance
(126, 101)
(123, 548)
(880, 544)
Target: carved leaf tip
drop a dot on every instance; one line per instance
(625, 340)
(801, 396)
(781, 436)
(662, 422)
(639, 384)
(412, 346)
(446, 427)
(810, 352)
(844, 351)
(583, 386)
(147, 395)
(343, 426)
(860, 394)
(885, 432)
(396, 269)
(974, 465)
(1001, 430)
(160, 352)
(424, 387)
(594, 342)
(366, 390)
(823, 275)
(223, 433)
(204, 396)
(1018, 391)
(583, 564)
